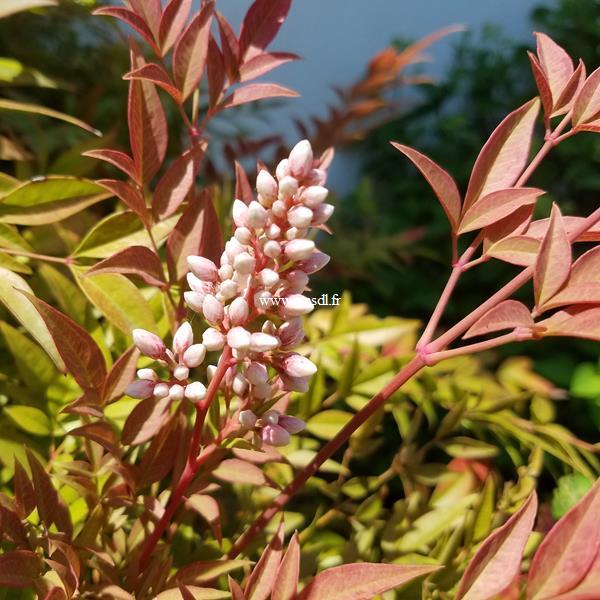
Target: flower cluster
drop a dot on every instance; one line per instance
(253, 301)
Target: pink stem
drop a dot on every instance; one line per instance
(501, 340)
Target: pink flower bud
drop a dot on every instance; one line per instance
(225, 272)
(239, 385)
(183, 338)
(263, 342)
(244, 263)
(299, 249)
(176, 392)
(148, 374)
(301, 159)
(238, 311)
(288, 187)
(243, 235)
(247, 419)
(291, 332)
(203, 268)
(297, 305)
(316, 177)
(233, 248)
(213, 339)
(238, 338)
(292, 233)
(213, 310)
(270, 417)
(322, 213)
(295, 384)
(228, 289)
(194, 355)
(197, 285)
(296, 365)
(256, 373)
(268, 278)
(269, 327)
(161, 390)
(315, 262)
(148, 343)
(195, 391)
(296, 280)
(181, 372)
(272, 249)
(239, 213)
(142, 388)
(292, 424)
(257, 215)
(279, 208)
(283, 169)
(263, 299)
(262, 391)
(300, 216)
(275, 435)
(194, 300)
(273, 231)
(314, 195)
(266, 186)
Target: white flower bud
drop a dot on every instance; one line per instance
(322, 213)
(239, 385)
(270, 417)
(297, 305)
(240, 213)
(272, 249)
(283, 169)
(238, 338)
(243, 235)
(213, 339)
(291, 233)
(194, 300)
(195, 391)
(194, 355)
(301, 159)
(183, 338)
(225, 272)
(247, 419)
(228, 289)
(256, 373)
(263, 299)
(315, 262)
(273, 231)
(257, 215)
(268, 278)
(203, 268)
(300, 216)
(198, 285)
(161, 390)
(148, 374)
(148, 343)
(314, 195)
(210, 371)
(176, 392)
(142, 388)
(244, 263)
(181, 372)
(238, 311)
(233, 248)
(263, 342)
(296, 365)
(212, 309)
(275, 435)
(291, 332)
(299, 249)
(288, 186)
(279, 209)
(266, 186)
(224, 260)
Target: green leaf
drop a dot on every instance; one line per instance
(69, 297)
(10, 238)
(16, 73)
(24, 311)
(569, 490)
(29, 419)
(469, 448)
(326, 424)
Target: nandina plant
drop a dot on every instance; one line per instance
(217, 372)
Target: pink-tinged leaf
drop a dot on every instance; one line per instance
(201, 572)
(538, 229)
(504, 155)
(208, 508)
(542, 84)
(234, 470)
(148, 134)
(129, 195)
(215, 70)
(556, 64)
(131, 19)
(586, 269)
(440, 181)
(172, 23)
(230, 48)
(574, 293)
(80, 353)
(101, 433)
(553, 264)
(150, 11)
(520, 250)
(121, 375)
(514, 224)
(261, 580)
(568, 551)
(288, 573)
(257, 91)
(263, 63)
(243, 189)
(116, 158)
(19, 569)
(176, 183)
(574, 322)
(498, 560)
(24, 492)
(593, 127)
(588, 588)
(564, 103)
(157, 75)
(189, 56)
(234, 587)
(197, 232)
(496, 206)
(12, 527)
(145, 421)
(506, 315)
(361, 581)
(261, 24)
(138, 261)
(587, 102)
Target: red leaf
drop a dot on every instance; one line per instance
(12, 527)
(150, 11)
(132, 19)
(208, 508)
(172, 23)
(197, 232)
(177, 182)
(101, 433)
(440, 181)
(587, 102)
(243, 189)
(506, 315)
(556, 64)
(157, 75)
(121, 375)
(542, 84)
(519, 250)
(145, 421)
(19, 569)
(230, 47)
(129, 195)
(263, 63)
(288, 573)
(257, 91)
(567, 552)
(215, 69)
(553, 264)
(261, 580)
(77, 348)
(498, 560)
(261, 24)
(234, 470)
(493, 207)
(24, 492)
(504, 155)
(236, 591)
(135, 260)
(574, 322)
(116, 158)
(361, 581)
(148, 133)
(189, 56)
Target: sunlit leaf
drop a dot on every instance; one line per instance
(506, 315)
